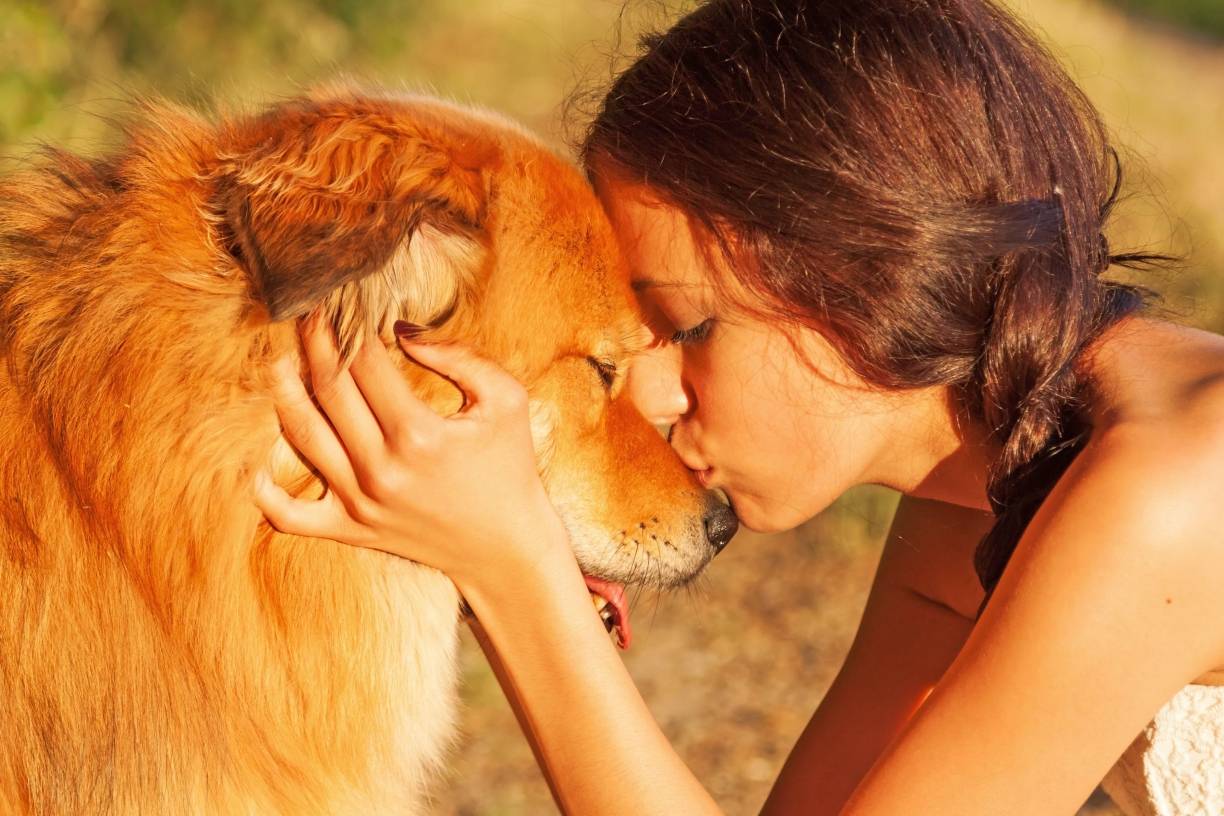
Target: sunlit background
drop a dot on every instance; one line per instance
(733, 668)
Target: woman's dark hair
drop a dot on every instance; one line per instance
(919, 180)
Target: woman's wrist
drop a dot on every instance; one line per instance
(535, 556)
(589, 727)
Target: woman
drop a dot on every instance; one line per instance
(868, 236)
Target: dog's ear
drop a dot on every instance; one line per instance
(326, 195)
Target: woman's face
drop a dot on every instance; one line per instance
(782, 436)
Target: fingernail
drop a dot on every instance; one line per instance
(407, 331)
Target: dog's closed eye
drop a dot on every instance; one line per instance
(606, 371)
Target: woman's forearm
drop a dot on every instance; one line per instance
(516, 705)
(593, 735)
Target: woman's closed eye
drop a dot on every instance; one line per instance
(694, 335)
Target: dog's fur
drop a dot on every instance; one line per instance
(162, 649)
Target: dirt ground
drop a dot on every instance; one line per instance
(732, 669)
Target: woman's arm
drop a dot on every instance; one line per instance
(910, 631)
(596, 741)
(1110, 604)
(520, 715)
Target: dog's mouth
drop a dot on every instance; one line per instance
(612, 607)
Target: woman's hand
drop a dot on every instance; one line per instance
(460, 493)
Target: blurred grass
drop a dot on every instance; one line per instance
(65, 65)
(1205, 16)
(1162, 94)
(62, 61)
(734, 668)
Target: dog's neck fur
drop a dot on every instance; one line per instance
(173, 638)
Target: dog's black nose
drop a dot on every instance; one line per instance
(721, 524)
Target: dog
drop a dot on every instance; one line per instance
(162, 648)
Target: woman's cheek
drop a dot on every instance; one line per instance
(722, 385)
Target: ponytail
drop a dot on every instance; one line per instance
(1047, 307)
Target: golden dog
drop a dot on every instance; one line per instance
(162, 649)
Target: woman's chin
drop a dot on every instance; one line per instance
(761, 515)
(760, 518)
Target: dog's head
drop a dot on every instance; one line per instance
(382, 207)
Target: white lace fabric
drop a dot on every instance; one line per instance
(1175, 767)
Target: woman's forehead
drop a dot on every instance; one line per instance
(655, 237)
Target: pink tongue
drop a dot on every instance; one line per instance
(614, 594)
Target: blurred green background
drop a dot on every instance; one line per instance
(1203, 16)
(734, 667)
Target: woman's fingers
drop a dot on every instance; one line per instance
(484, 383)
(427, 497)
(306, 429)
(321, 518)
(337, 393)
(399, 412)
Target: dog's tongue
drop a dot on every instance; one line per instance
(614, 595)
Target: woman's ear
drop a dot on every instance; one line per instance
(320, 194)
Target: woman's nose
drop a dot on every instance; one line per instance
(655, 386)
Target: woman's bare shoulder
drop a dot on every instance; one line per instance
(1160, 411)
(1157, 376)
(1108, 606)
(1155, 479)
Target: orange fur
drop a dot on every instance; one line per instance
(162, 649)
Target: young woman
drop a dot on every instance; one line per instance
(868, 235)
